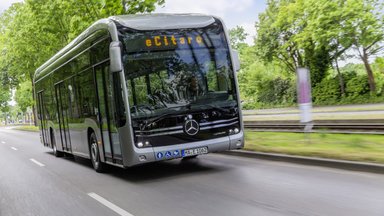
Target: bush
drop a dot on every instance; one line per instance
(274, 91)
(326, 92)
(357, 86)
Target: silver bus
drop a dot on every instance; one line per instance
(135, 89)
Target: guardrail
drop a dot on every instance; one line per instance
(331, 126)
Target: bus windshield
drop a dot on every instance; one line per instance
(173, 71)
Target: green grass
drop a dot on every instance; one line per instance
(26, 128)
(355, 147)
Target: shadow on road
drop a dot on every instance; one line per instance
(163, 170)
(167, 170)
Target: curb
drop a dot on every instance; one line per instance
(314, 161)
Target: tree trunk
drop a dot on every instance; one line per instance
(341, 79)
(371, 78)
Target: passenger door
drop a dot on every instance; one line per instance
(62, 99)
(42, 118)
(107, 113)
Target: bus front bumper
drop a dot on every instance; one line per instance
(153, 154)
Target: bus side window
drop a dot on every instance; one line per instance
(100, 51)
(86, 89)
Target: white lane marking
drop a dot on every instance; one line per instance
(110, 205)
(36, 162)
(2, 142)
(14, 148)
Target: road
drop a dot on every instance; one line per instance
(34, 182)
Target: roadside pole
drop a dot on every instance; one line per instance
(304, 98)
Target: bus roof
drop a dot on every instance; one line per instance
(139, 22)
(164, 21)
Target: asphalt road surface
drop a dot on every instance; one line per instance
(34, 182)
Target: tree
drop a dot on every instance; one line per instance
(282, 35)
(326, 27)
(23, 96)
(315, 33)
(367, 32)
(237, 37)
(5, 96)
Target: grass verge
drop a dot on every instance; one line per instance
(354, 147)
(26, 128)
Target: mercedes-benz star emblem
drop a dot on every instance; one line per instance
(191, 127)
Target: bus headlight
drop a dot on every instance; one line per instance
(233, 131)
(143, 144)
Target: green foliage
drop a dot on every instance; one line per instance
(34, 30)
(237, 37)
(314, 33)
(378, 65)
(263, 85)
(274, 91)
(357, 86)
(23, 96)
(283, 36)
(326, 92)
(5, 96)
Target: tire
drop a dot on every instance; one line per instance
(95, 154)
(54, 147)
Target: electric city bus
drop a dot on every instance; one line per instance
(135, 89)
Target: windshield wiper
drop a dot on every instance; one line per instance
(222, 110)
(162, 116)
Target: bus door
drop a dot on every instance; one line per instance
(107, 119)
(42, 118)
(63, 112)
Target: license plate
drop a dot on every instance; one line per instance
(195, 151)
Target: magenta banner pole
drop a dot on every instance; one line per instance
(304, 95)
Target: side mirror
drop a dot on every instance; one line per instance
(236, 60)
(115, 57)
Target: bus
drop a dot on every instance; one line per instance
(134, 89)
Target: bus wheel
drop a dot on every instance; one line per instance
(95, 156)
(54, 148)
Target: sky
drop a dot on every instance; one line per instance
(240, 12)
(4, 4)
